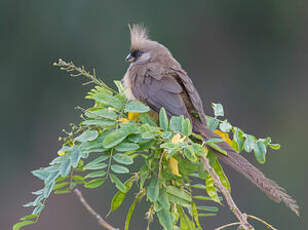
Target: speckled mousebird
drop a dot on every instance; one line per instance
(155, 78)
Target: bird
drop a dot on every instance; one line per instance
(157, 79)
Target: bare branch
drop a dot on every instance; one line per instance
(269, 226)
(100, 220)
(242, 217)
(227, 225)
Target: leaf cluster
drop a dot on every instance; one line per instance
(106, 143)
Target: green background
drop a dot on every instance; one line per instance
(249, 55)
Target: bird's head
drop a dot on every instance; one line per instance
(143, 49)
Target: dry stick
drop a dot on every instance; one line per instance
(227, 225)
(242, 217)
(100, 220)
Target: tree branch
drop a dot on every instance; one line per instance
(100, 220)
(242, 217)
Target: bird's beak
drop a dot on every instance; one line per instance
(129, 58)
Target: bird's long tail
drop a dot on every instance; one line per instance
(243, 166)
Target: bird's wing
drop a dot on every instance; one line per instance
(192, 93)
(160, 90)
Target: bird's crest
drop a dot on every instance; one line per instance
(138, 36)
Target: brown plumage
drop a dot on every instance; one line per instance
(157, 79)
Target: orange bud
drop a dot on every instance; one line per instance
(224, 136)
(132, 116)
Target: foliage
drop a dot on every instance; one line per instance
(111, 136)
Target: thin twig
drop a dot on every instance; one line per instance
(71, 67)
(262, 221)
(100, 220)
(242, 217)
(227, 225)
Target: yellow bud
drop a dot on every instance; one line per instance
(174, 166)
(124, 120)
(177, 139)
(132, 116)
(206, 150)
(61, 153)
(224, 136)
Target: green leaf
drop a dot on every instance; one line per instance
(65, 168)
(62, 191)
(166, 134)
(149, 135)
(187, 127)
(153, 190)
(52, 177)
(215, 146)
(109, 100)
(179, 201)
(238, 139)
(119, 86)
(101, 165)
(119, 197)
(185, 222)
(179, 193)
(207, 214)
(114, 138)
(260, 152)
(198, 149)
(225, 126)
(274, 146)
(165, 219)
(195, 214)
(212, 123)
(125, 147)
(199, 186)
(131, 210)
(218, 110)
(214, 140)
(101, 114)
(119, 169)
(22, 224)
(211, 189)
(163, 119)
(176, 123)
(145, 118)
(117, 200)
(123, 159)
(88, 135)
(95, 183)
(202, 197)
(60, 185)
(163, 199)
(114, 179)
(48, 189)
(99, 123)
(208, 208)
(40, 173)
(29, 217)
(190, 153)
(75, 157)
(136, 107)
(219, 170)
(249, 143)
(98, 160)
(99, 173)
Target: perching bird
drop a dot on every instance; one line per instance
(157, 79)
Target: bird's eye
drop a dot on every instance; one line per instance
(136, 53)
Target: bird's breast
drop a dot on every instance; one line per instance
(127, 84)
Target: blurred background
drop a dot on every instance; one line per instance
(251, 56)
